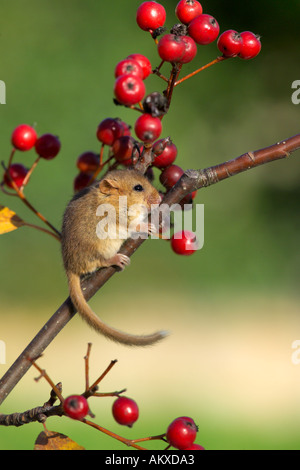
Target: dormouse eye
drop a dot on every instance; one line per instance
(138, 187)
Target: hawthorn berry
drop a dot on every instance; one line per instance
(204, 29)
(156, 104)
(251, 45)
(23, 137)
(81, 181)
(150, 16)
(190, 49)
(184, 243)
(122, 148)
(109, 130)
(166, 156)
(148, 128)
(144, 63)
(129, 66)
(171, 48)
(187, 10)
(47, 146)
(170, 175)
(125, 127)
(188, 199)
(181, 433)
(125, 411)
(195, 447)
(129, 89)
(229, 43)
(16, 172)
(76, 407)
(88, 162)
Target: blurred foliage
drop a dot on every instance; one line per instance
(57, 60)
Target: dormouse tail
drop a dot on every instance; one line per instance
(94, 321)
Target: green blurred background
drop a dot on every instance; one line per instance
(233, 307)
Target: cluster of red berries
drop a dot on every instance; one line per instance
(177, 47)
(181, 433)
(24, 138)
(197, 28)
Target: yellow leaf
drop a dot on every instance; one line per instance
(9, 220)
(51, 440)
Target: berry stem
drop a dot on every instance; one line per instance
(27, 177)
(11, 157)
(87, 366)
(48, 379)
(128, 442)
(110, 366)
(213, 62)
(23, 198)
(172, 82)
(101, 165)
(8, 193)
(150, 438)
(42, 230)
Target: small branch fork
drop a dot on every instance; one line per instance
(41, 413)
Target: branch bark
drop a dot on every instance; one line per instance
(190, 181)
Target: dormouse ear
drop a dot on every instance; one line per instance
(109, 186)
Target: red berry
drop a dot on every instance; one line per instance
(109, 130)
(195, 447)
(47, 146)
(17, 173)
(188, 199)
(190, 49)
(122, 148)
(127, 162)
(251, 45)
(125, 127)
(144, 63)
(88, 162)
(204, 29)
(148, 128)
(229, 43)
(81, 181)
(150, 16)
(23, 137)
(129, 89)
(184, 243)
(76, 406)
(129, 66)
(170, 176)
(171, 48)
(125, 411)
(166, 157)
(181, 433)
(187, 10)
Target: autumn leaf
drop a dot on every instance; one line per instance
(9, 220)
(51, 440)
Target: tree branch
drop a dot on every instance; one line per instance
(190, 181)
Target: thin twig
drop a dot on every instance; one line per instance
(213, 62)
(112, 434)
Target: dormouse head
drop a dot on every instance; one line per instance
(129, 183)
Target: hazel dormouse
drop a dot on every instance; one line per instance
(86, 247)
